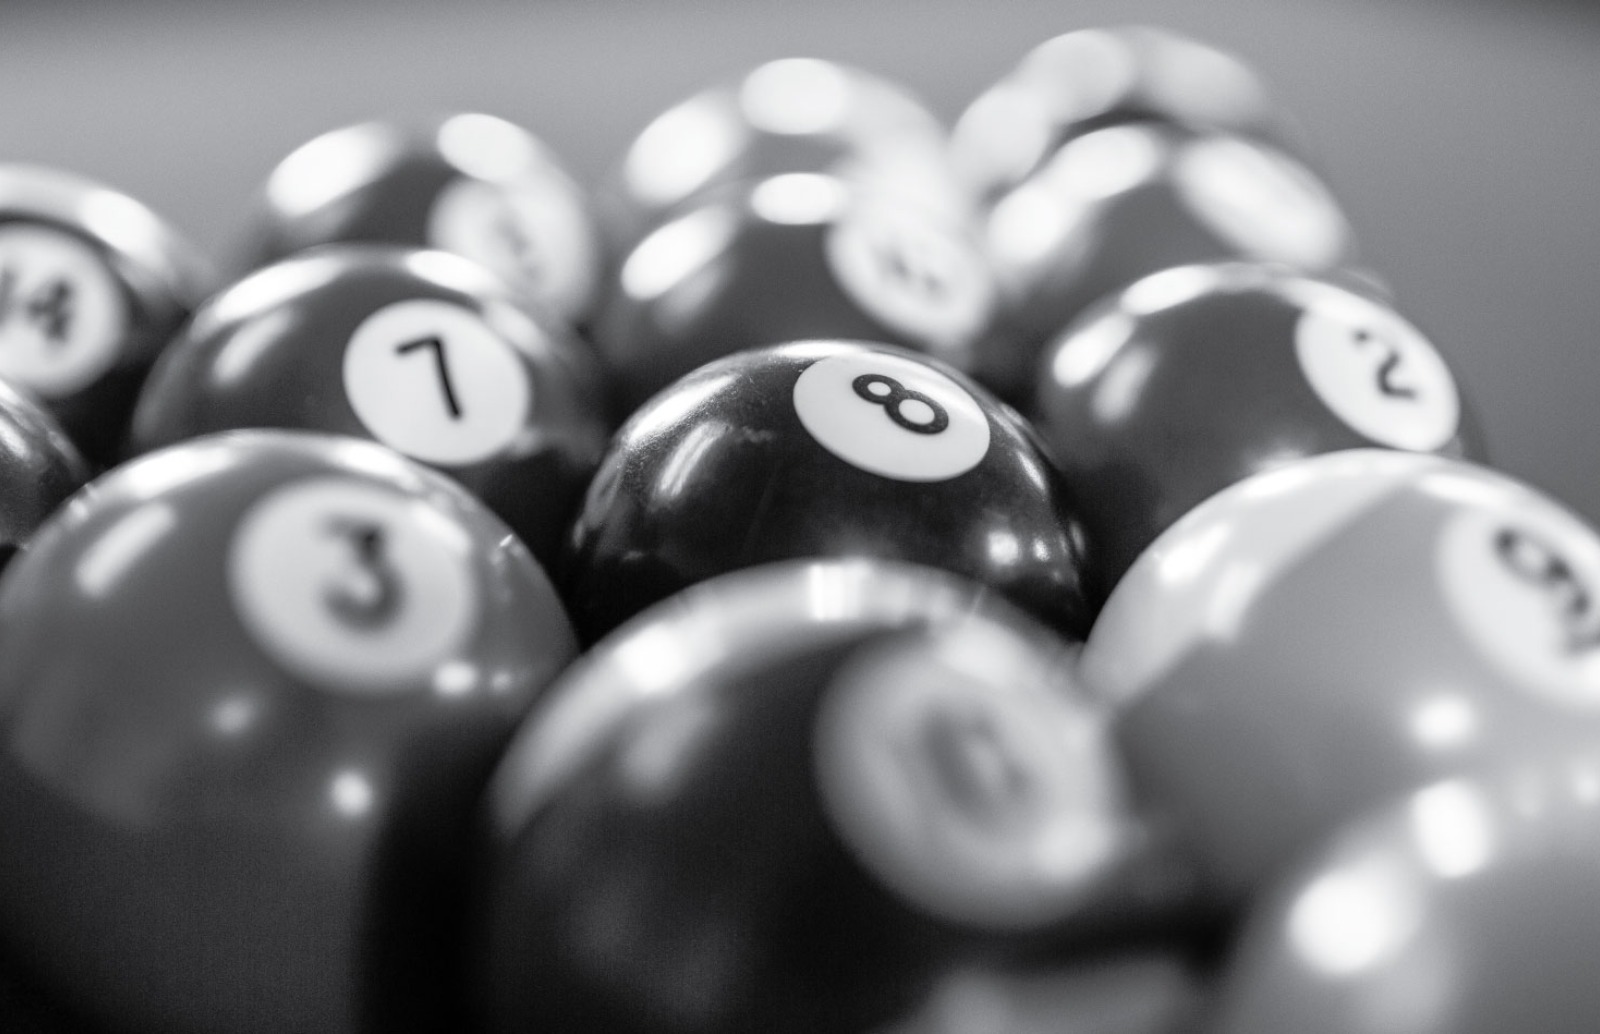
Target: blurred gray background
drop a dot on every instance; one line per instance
(1463, 137)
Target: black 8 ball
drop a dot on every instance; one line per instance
(824, 448)
(250, 689)
(421, 350)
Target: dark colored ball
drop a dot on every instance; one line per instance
(795, 114)
(420, 350)
(250, 690)
(1088, 79)
(469, 183)
(1123, 202)
(785, 800)
(39, 469)
(92, 285)
(824, 448)
(1198, 377)
(786, 258)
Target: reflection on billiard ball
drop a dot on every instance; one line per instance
(468, 183)
(1197, 377)
(250, 689)
(795, 114)
(421, 350)
(824, 448)
(1126, 201)
(800, 255)
(92, 284)
(1320, 638)
(784, 800)
(1466, 907)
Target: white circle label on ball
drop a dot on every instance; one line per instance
(986, 801)
(431, 379)
(63, 317)
(911, 273)
(352, 586)
(892, 416)
(1262, 202)
(1376, 372)
(533, 233)
(1524, 583)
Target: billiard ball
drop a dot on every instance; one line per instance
(92, 284)
(1197, 377)
(421, 350)
(823, 448)
(1088, 79)
(1119, 203)
(1328, 635)
(39, 469)
(795, 114)
(1468, 907)
(784, 799)
(251, 687)
(469, 183)
(799, 255)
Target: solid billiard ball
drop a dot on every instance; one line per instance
(92, 284)
(1468, 907)
(824, 448)
(800, 255)
(1119, 203)
(421, 350)
(795, 114)
(39, 469)
(470, 183)
(251, 687)
(1335, 632)
(1197, 377)
(1088, 79)
(784, 799)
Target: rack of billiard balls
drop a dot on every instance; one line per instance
(831, 575)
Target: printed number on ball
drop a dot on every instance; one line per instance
(983, 803)
(1376, 372)
(352, 586)
(891, 416)
(1525, 584)
(529, 234)
(62, 315)
(432, 380)
(916, 278)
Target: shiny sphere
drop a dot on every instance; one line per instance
(795, 256)
(251, 687)
(784, 800)
(39, 469)
(1331, 634)
(824, 448)
(795, 114)
(92, 284)
(421, 350)
(1468, 907)
(468, 183)
(1120, 203)
(1088, 79)
(1197, 377)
